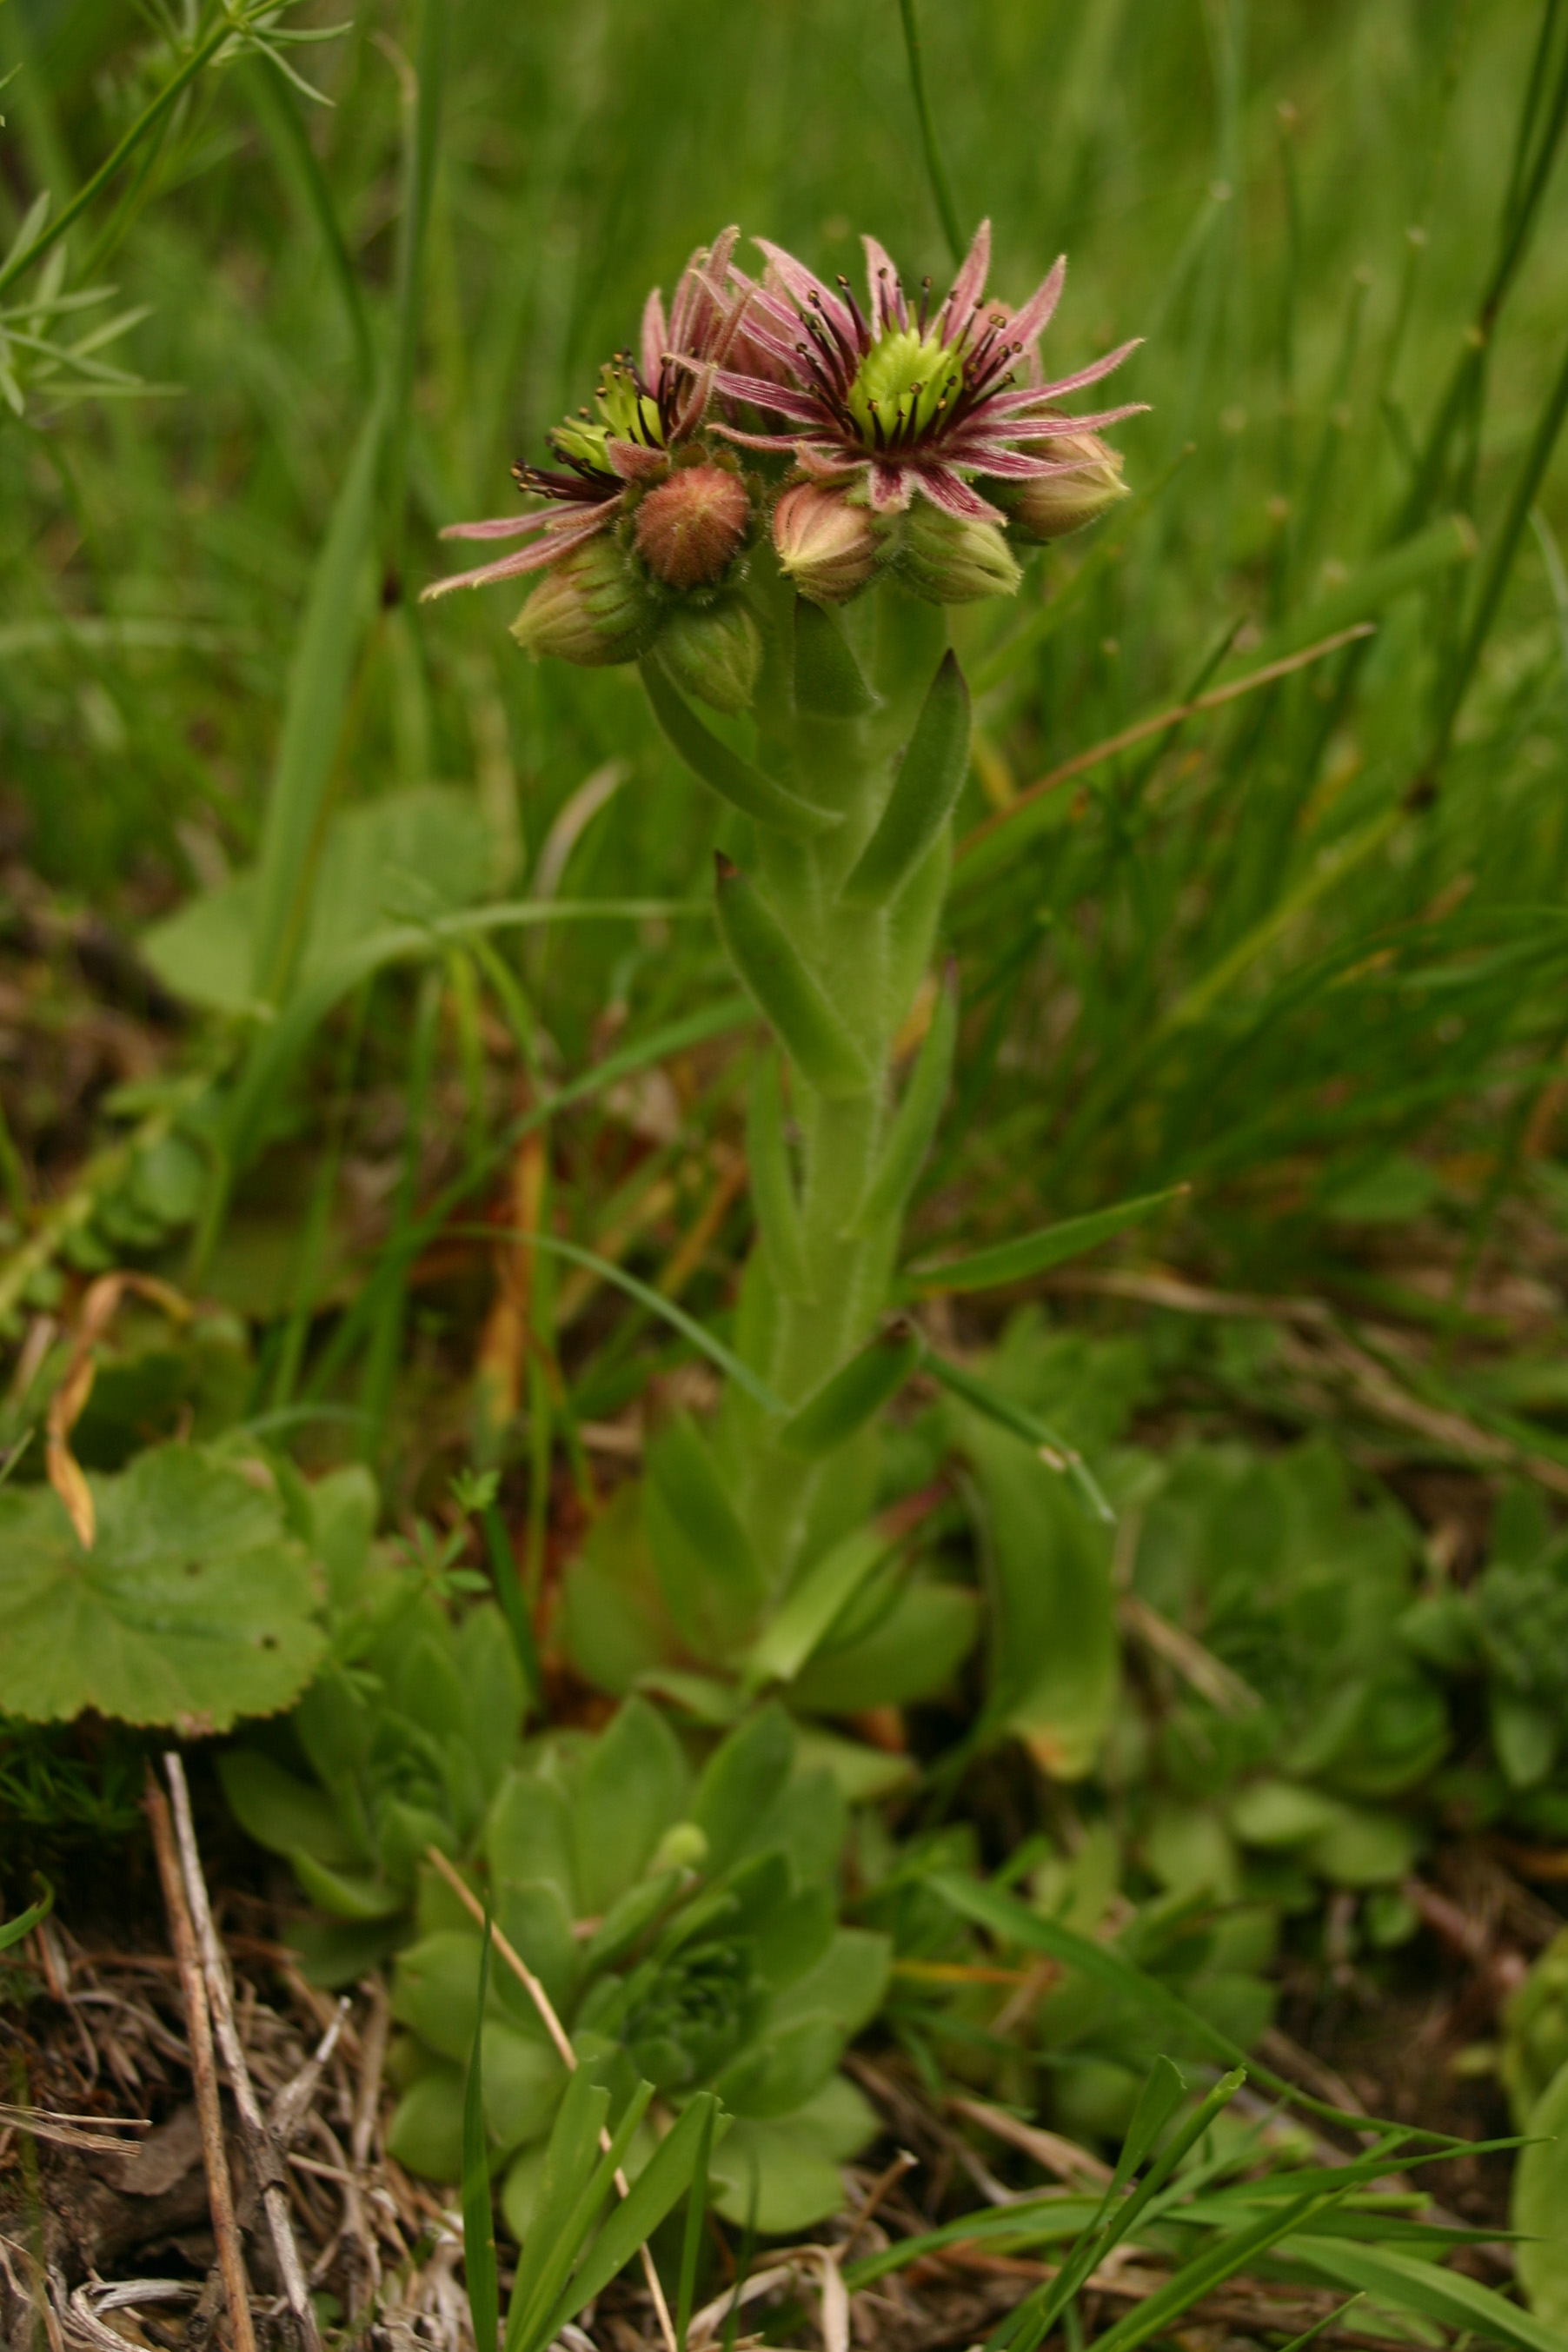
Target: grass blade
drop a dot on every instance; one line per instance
(479, 2215)
(319, 677)
(1031, 1254)
(654, 2194)
(691, 2241)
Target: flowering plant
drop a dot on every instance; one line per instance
(770, 509)
(683, 1929)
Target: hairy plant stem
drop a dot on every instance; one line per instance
(869, 963)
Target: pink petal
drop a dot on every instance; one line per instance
(504, 527)
(891, 487)
(969, 283)
(806, 289)
(949, 491)
(1027, 325)
(1091, 374)
(510, 567)
(655, 335)
(756, 440)
(826, 463)
(763, 395)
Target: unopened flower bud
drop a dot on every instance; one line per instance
(691, 528)
(590, 608)
(827, 548)
(683, 1846)
(949, 560)
(1052, 505)
(714, 654)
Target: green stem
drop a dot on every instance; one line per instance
(935, 172)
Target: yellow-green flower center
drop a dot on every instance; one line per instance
(904, 383)
(624, 414)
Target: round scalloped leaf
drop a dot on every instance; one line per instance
(193, 1607)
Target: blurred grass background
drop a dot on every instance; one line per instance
(1306, 951)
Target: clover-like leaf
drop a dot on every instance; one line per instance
(193, 1607)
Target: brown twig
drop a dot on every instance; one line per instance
(563, 2041)
(203, 2070)
(261, 2144)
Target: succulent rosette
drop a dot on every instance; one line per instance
(684, 1927)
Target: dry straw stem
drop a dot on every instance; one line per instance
(262, 2142)
(204, 2071)
(1142, 728)
(568, 2056)
(66, 1407)
(1316, 1347)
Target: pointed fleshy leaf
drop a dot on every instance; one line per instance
(828, 681)
(925, 793)
(909, 1653)
(810, 1610)
(735, 780)
(687, 1481)
(744, 1775)
(915, 1121)
(786, 993)
(772, 1184)
(848, 1399)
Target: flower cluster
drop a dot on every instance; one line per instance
(886, 418)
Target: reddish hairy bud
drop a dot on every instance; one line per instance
(689, 529)
(827, 548)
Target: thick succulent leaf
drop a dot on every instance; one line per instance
(863, 1774)
(780, 2070)
(528, 1837)
(914, 1651)
(281, 1811)
(339, 1952)
(808, 1614)
(193, 1607)
(425, 2134)
(635, 1783)
(707, 1569)
(614, 1622)
(349, 1894)
(436, 1991)
(793, 1941)
(1053, 1648)
(787, 2171)
(847, 1984)
(536, 1922)
(786, 992)
(925, 790)
(523, 2082)
(740, 1781)
(488, 1668)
